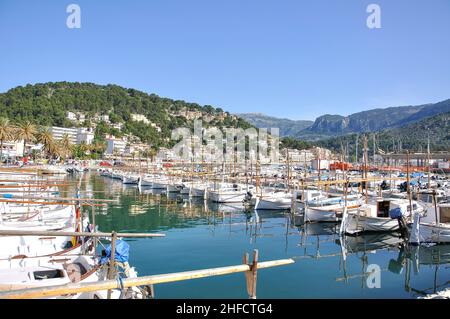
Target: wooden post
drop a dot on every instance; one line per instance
(112, 263)
(94, 228)
(251, 275)
(49, 291)
(435, 207)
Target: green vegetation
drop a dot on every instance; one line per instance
(47, 105)
(63, 149)
(412, 137)
(289, 142)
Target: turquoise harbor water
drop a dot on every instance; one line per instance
(200, 235)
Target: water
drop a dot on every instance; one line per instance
(202, 236)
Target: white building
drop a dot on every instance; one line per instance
(76, 135)
(140, 118)
(115, 145)
(71, 116)
(59, 132)
(165, 154)
(298, 156)
(85, 135)
(321, 164)
(78, 117)
(13, 149)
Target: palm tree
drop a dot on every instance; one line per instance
(6, 133)
(26, 131)
(152, 152)
(45, 137)
(66, 146)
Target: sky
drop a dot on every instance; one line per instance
(288, 58)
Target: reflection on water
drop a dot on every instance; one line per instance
(202, 235)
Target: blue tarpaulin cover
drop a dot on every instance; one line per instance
(396, 213)
(7, 195)
(122, 252)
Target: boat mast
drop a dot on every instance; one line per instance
(365, 169)
(428, 159)
(408, 189)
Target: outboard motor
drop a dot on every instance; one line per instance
(397, 213)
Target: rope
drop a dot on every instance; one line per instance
(120, 282)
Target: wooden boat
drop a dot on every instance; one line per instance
(378, 217)
(22, 273)
(433, 227)
(330, 209)
(228, 193)
(130, 179)
(273, 201)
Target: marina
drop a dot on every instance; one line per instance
(324, 243)
(224, 158)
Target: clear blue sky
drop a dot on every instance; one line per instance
(297, 59)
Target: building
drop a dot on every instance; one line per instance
(59, 132)
(165, 154)
(115, 145)
(117, 126)
(85, 135)
(12, 149)
(320, 164)
(322, 153)
(78, 117)
(132, 148)
(76, 135)
(298, 156)
(140, 118)
(71, 116)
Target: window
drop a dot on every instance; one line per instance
(48, 274)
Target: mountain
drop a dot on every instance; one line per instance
(328, 125)
(48, 103)
(375, 119)
(287, 127)
(412, 136)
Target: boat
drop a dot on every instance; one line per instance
(25, 273)
(433, 227)
(228, 193)
(130, 179)
(330, 209)
(274, 201)
(386, 215)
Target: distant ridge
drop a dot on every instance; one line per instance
(287, 127)
(328, 125)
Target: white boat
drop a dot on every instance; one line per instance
(35, 245)
(130, 179)
(10, 213)
(160, 182)
(301, 197)
(330, 209)
(228, 193)
(273, 201)
(383, 216)
(433, 227)
(146, 181)
(174, 186)
(23, 273)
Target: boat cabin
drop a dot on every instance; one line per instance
(385, 205)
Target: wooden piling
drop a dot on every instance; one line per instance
(52, 291)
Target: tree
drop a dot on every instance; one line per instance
(45, 137)
(6, 133)
(26, 131)
(66, 146)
